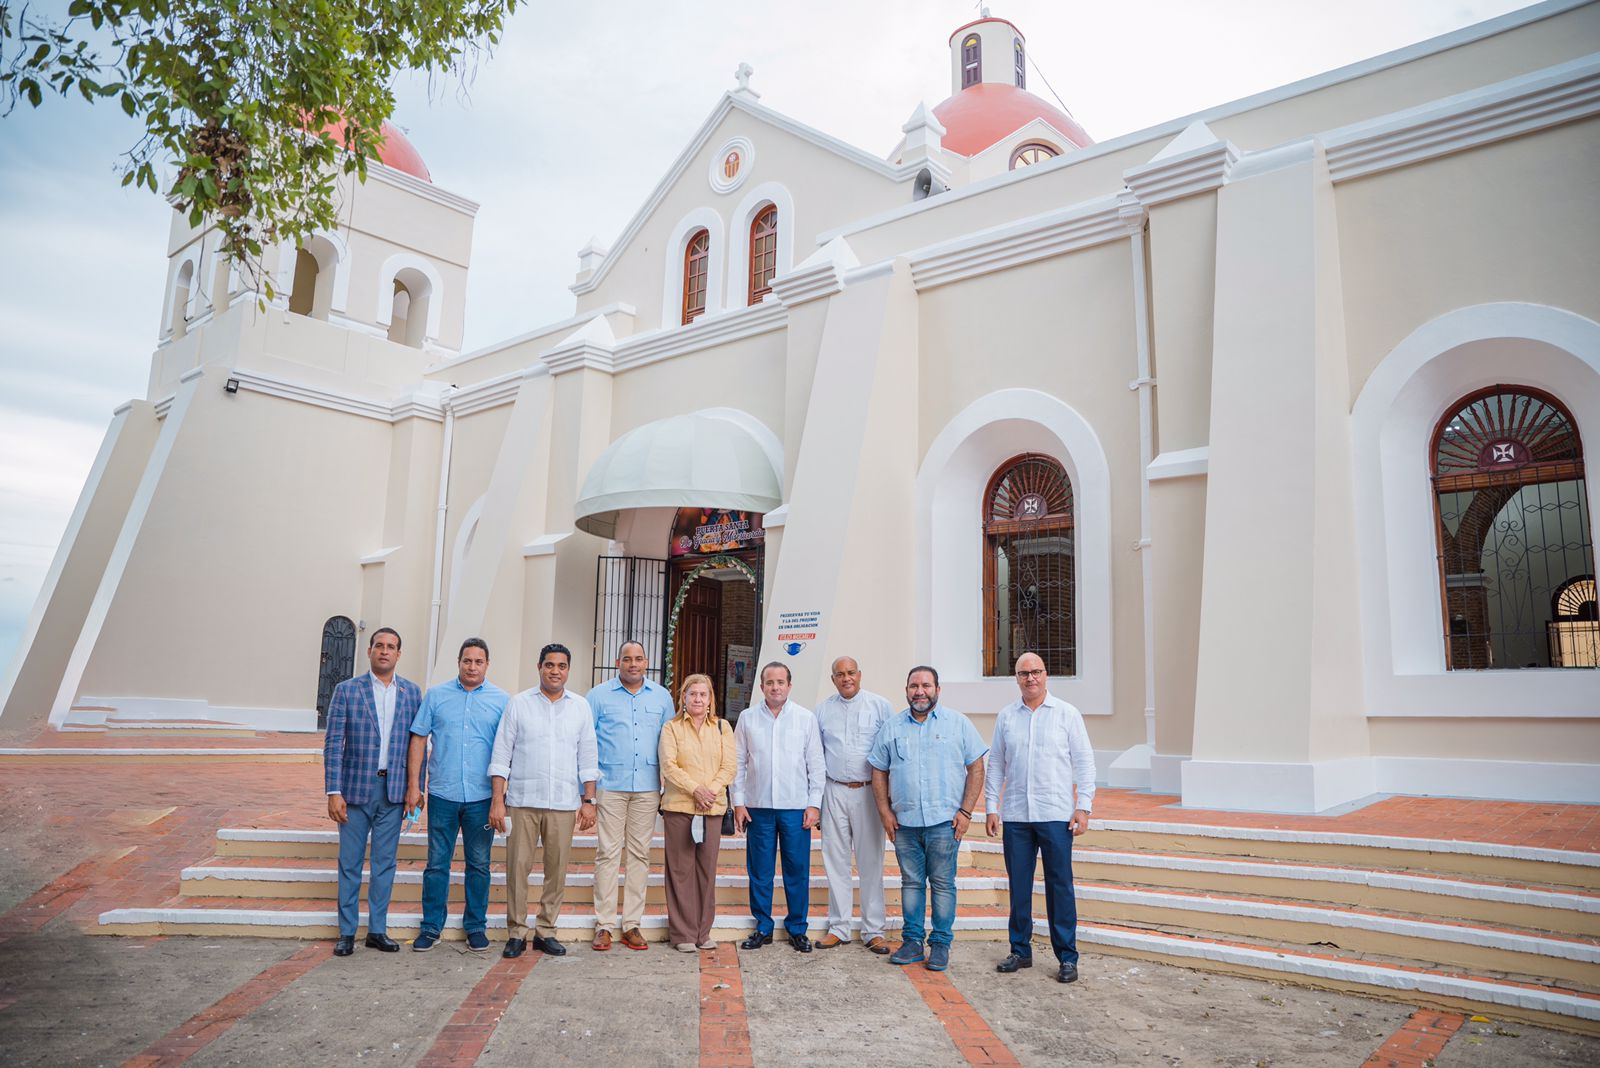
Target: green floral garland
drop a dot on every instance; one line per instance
(711, 563)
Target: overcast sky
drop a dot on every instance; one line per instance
(561, 136)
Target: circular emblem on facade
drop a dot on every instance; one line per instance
(731, 165)
(1502, 454)
(1030, 506)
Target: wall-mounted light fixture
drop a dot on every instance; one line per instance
(231, 386)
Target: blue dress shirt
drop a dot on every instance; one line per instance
(462, 723)
(927, 763)
(628, 726)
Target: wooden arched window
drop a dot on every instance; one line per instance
(1513, 527)
(971, 61)
(763, 252)
(1029, 581)
(1033, 152)
(696, 268)
(1022, 74)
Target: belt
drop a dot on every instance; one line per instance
(383, 773)
(852, 785)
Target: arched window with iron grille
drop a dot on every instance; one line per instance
(971, 62)
(696, 268)
(763, 252)
(1029, 581)
(1512, 518)
(1022, 74)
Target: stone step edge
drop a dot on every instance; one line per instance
(1488, 938)
(1484, 849)
(164, 751)
(1394, 979)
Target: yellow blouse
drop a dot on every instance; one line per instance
(691, 758)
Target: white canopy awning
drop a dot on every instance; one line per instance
(715, 458)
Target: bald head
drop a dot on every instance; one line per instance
(1031, 679)
(846, 677)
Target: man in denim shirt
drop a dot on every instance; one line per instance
(629, 712)
(927, 773)
(461, 717)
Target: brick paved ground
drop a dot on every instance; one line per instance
(83, 838)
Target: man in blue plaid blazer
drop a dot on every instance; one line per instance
(364, 768)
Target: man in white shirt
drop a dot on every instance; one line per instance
(1040, 758)
(851, 827)
(777, 795)
(544, 765)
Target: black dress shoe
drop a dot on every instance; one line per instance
(345, 946)
(382, 942)
(514, 947)
(1013, 962)
(549, 946)
(756, 941)
(800, 942)
(1067, 974)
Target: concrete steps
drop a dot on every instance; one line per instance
(1455, 925)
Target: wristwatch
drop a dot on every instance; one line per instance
(585, 801)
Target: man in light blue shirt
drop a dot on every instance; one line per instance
(927, 773)
(629, 712)
(460, 717)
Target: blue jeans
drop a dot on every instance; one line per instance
(378, 819)
(927, 860)
(1023, 843)
(771, 831)
(445, 820)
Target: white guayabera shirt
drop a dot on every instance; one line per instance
(545, 750)
(780, 758)
(848, 731)
(1036, 759)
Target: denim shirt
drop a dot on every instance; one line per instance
(462, 723)
(927, 763)
(628, 726)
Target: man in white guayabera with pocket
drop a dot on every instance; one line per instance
(851, 826)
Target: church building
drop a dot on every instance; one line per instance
(1264, 426)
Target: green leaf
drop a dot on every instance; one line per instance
(128, 104)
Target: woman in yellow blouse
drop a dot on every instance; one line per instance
(697, 764)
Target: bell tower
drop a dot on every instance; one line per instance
(989, 50)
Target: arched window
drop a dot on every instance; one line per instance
(1029, 585)
(971, 62)
(763, 252)
(696, 266)
(1032, 152)
(1022, 74)
(180, 298)
(303, 293)
(400, 319)
(1513, 528)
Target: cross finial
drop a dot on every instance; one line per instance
(743, 74)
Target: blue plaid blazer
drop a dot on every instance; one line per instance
(350, 746)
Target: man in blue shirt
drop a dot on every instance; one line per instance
(461, 717)
(927, 773)
(629, 712)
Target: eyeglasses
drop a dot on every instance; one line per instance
(1035, 673)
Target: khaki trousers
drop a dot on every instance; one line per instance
(528, 827)
(851, 825)
(627, 820)
(691, 877)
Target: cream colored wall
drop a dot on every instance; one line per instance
(1064, 326)
(1178, 522)
(1514, 221)
(238, 565)
(827, 189)
(746, 374)
(474, 447)
(1183, 266)
(1557, 741)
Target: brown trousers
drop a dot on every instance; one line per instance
(691, 878)
(528, 826)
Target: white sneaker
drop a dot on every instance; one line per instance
(708, 944)
(686, 947)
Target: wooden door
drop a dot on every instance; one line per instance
(698, 641)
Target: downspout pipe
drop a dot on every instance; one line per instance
(446, 402)
(1145, 385)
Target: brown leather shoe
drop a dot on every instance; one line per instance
(878, 945)
(602, 941)
(828, 941)
(633, 939)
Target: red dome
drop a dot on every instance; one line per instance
(396, 151)
(984, 114)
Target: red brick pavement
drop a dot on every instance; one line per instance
(473, 1024)
(973, 1037)
(190, 1037)
(724, 1021)
(1419, 1040)
(55, 897)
